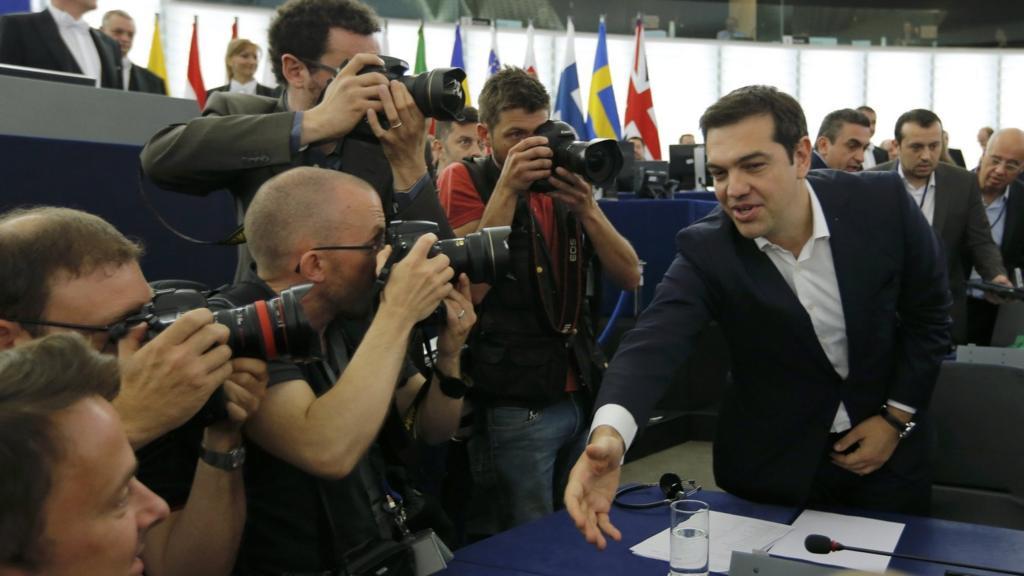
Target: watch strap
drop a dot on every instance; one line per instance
(902, 428)
(231, 460)
(450, 386)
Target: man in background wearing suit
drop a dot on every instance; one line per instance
(120, 26)
(327, 116)
(1003, 197)
(843, 140)
(874, 155)
(58, 39)
(951, 202)
(831, 291)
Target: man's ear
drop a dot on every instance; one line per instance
(11, 335)
(296, 74)
(484, 134)
(821, 145)
(311, 267)
(802, 156)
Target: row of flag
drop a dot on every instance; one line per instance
(602, 115)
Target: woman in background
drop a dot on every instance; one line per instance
(240, 62)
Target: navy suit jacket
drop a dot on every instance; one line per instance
(775, 418)
(817, 162)
(143, 80)
(34, 40)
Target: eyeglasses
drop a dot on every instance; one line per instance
(374, 246)
(314, 64)
(114, 332)
(1010, 165)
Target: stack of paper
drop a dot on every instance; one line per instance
(849, 530)
(728, 532)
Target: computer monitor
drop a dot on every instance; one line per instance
(650, 179)
(688, 166)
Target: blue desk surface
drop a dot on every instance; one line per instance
(552, 546)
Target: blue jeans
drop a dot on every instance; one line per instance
(532, 452)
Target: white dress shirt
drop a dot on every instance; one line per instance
(77, 38)
(247, 88)
(924, 196)
(812, 277)
(126, 72)
(869, 157)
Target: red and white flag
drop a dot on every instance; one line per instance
(531, 59)
(640, 119)
(234, 29)
(195, 88)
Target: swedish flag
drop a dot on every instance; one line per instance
(603, 117)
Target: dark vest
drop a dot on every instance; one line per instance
(518, 356)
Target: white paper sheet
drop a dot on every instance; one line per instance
(728, 532)
(848, 530)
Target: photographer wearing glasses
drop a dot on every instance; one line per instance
(329, 115)
(66, 270)
(319, 500)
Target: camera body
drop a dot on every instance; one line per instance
(483, 255)
(437, 93)
(597, 161)
(274, 329)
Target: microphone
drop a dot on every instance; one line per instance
(821, 544)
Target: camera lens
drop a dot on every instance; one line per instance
(438, 93)
(272, 329)
(482, 255)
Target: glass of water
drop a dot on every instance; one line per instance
(689, 538)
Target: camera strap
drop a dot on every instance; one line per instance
(560, 295)
(235, 238)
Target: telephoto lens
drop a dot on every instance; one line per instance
(597, 161)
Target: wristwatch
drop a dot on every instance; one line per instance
(450, 386)
(904, 430)
(231, 460)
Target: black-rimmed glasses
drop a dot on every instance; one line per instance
(1009, 165)
(114, 331)
(373, 246)
(314, 64)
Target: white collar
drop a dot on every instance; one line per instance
(65, 20)
(234, 85)
(819, 224)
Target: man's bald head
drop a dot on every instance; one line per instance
(302, 208)
(1003, 160)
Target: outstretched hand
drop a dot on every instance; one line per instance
(592, 485)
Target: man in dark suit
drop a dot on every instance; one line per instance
(1003, 197)
(58, 39)
(831, 291)
(874, 155)
(120, 26)
(951, 202)
(326, 117)
(843, 139)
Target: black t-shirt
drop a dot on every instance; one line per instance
(287, 527)
(167, 465)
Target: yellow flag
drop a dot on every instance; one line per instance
(156, 54)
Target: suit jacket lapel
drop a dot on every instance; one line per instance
(110, 62)
(1014, 212)
(850, 264)
(941, 203)
(50, 36)
(768, 281)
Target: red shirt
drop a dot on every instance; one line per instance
(462, 205)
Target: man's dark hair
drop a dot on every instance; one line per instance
(469, 116)
(508, 89)
(37, 380)
(301, 28)
(866, 108)
(833, 122)
(920, 116)
(743, 103)
(38, 243)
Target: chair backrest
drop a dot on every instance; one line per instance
(977, 411)
(1009, 324)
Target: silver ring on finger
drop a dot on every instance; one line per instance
(461, 314)
(396, 124)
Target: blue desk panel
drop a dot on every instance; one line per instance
(651, 226)
(552, 546)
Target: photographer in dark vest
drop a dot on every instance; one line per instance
(533, 354)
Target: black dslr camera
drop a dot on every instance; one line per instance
(482, 255)
(598, 161)
(274, 329)
(437, 93)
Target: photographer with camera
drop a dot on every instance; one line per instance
(342, 108)
(319, 500)
(66, 270)
(533, 352)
